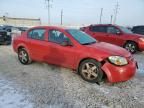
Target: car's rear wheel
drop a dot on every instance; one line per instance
(131, 47)
(90, 71)
(23, 56)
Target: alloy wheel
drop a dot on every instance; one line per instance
(90, 71)
(130, 47)
(23, 56)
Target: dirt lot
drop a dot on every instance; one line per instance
(40, 85)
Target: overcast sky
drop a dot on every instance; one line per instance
(131, 12)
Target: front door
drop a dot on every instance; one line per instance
(114, 36)
(59, 54)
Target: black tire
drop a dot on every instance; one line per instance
(98, 72)
(23, 56)
(132, 47)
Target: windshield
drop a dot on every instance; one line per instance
(81, 37)
(125, 30)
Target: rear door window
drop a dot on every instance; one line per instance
(37, 34)
(101, 29)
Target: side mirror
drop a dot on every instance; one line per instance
(66, 42)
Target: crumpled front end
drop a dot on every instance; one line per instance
(116, 73)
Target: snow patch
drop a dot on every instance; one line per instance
(11, 98)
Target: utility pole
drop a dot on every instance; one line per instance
(62, 17)
(111, 19)
(101, 14)
(48, 6)
(5, 17)
(116, 12)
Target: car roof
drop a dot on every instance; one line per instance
(53, 27)
(103, 25)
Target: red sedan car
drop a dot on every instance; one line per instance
(117, 35)
(75, 49)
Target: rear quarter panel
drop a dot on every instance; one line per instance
(19, 41)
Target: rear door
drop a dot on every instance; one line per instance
(36, 43)
(98, 32)
(114, 36)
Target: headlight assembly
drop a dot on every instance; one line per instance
(118, 60)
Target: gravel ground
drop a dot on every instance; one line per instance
(40, 85)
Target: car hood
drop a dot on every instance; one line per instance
(106, 50)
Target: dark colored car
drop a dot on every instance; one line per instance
(138, 30)
(77, 50)
(7, 28)
(10, 29)
(1, 27)
(23, 29)
(4, 38)
(117, 35)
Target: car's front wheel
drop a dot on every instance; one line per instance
(23, 56)
(90, 71)
(131, 47)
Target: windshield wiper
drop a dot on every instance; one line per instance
(88, 43)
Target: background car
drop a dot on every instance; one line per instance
(138, 30)
(23, 29)
(12, 31)
(75, 49)
(1, 27)
(117, 35)
(4, 37)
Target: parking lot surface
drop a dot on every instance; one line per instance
(40, 85)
